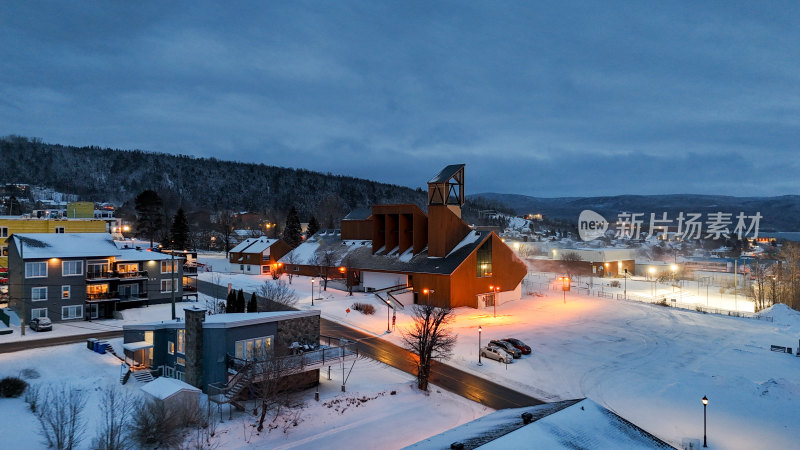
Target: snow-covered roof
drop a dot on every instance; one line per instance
(65, 245)
(240, 319)
(144, 255)
(565, 424)
(138, 345)
(164, 387)
(253, 245)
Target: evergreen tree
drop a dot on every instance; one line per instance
(292, 233)
(230, 303)
(149, 215)
(179, 232)
(313, 227)
(252, 305)
(240, 301)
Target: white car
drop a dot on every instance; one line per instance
(497, 354)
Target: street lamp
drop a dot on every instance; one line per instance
(428, 293)
(674, 269)
(626, 284)
(652, 271)
(387, 316)
(479, 345)
(705, 404)
(312, 292)
(495, 291)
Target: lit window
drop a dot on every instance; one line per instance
(169, 266)
(171, 348)
(257, 348)
(182, 341)
(66, 291)
(181, 361)
(484, 259)
(166, 286)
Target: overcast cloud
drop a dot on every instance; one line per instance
(558, 99)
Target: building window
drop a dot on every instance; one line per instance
(66, 291)
(127, 268)
(71, 268)
(59, 229)
(166, 286)
(169, 266)
(72, 312)
(171, 347)
(38, 294)
(181, 361)
(169, 372)
(4, 232)
(484, 259)
(38, 312)
(256, 348)
(182, 342)
(97, 268)
(241, 267)
(4, 250)
(36, 270)
(96, 291)
(297, 268)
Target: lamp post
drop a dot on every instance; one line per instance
(479, 345)
(705, 404)
(674, 269)
(388, 330)
(495, 291)
(626, 284)
(652, 271)
(312, 292)
(427, 293)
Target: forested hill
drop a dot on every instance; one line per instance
(103, 174)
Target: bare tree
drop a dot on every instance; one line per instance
(349, 274)
(758, 291)
(791, 258)
(115, 415)
(225, 224)
(571, 257)
(324, 262)
(276, 296)
(59, 413)
(273, 385)
(290, 259)
(429, 338)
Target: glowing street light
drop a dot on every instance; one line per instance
(312, 291)
(564, 286)
(387, 316)
(428, 293)
(495, 291)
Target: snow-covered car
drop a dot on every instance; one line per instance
(525, 349)
(508, 347)
(41, 324)
(497, 354)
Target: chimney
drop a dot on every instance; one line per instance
(193, 372)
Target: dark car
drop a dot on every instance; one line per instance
(513, 351)
(41, 324)
(526, 350)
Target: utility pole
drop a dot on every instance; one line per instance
(24, 305)
(173, 284)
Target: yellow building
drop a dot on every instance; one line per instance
(80, 210)
(15, 224)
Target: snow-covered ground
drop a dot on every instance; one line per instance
(650, 364)
(368, 415)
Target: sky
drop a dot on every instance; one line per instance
(538, 98)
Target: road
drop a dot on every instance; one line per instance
(47, 342)
(447, 377)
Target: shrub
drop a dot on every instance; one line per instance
(364, 308)
(12, 387)
(615, 284)
(32, 395)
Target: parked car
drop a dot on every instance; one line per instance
(497, 354)
(41, 324)
(525, 349)
(507, 346)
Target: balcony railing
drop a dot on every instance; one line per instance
(103, 296)
(189, 269)
(99, 274)
(132, 274)
(133, 297)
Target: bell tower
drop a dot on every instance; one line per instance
(447, 189)
(445, 198)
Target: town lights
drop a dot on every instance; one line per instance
(564, 286)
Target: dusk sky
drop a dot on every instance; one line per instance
(543, 99)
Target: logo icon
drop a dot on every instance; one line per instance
(591, 225)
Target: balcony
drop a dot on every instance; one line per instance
(93, 275)
(102, 296)
(190, 269)
(134, 274)
(133, 297)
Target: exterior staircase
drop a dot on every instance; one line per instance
(387, 295)
(143, 376)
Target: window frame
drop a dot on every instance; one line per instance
(66, 288)
(30, 265)
(39, 289)
(77, 308)
(35, 312)
(71, 262)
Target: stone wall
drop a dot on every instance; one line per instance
(193, 372)
(302, 330)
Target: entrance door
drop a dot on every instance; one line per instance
(94, 310)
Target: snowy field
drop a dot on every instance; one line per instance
(366, 416)
(648, 363)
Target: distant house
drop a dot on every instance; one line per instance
(432, 257)
(86, 276)
(258, 256)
